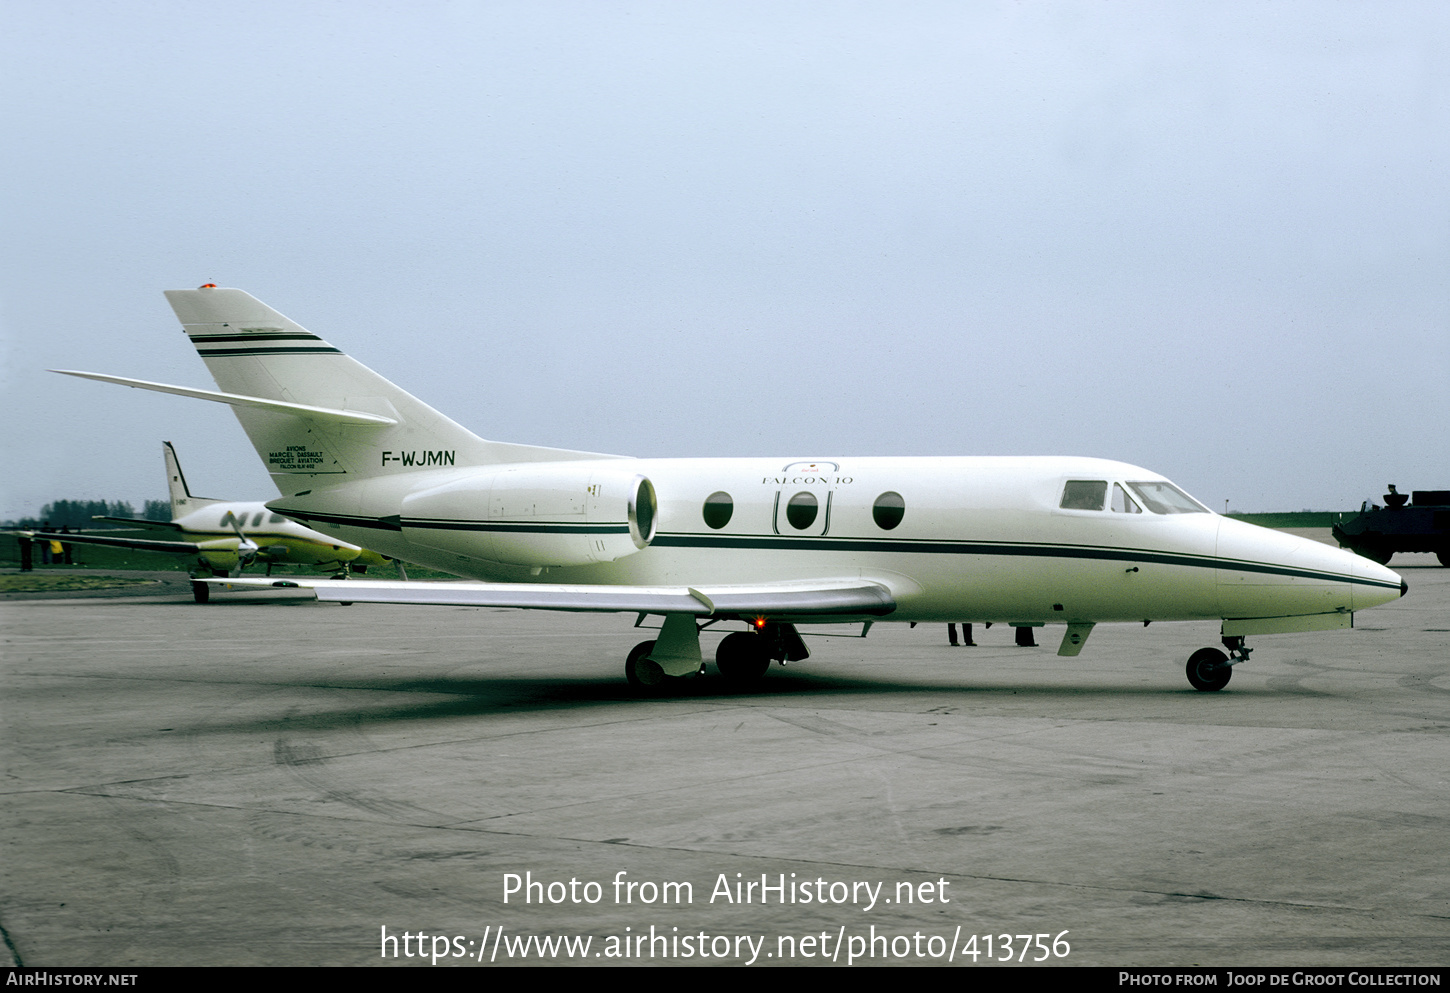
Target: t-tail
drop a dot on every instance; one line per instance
(182, 502)
(315, 416)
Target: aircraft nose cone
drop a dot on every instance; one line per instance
(1374, 584)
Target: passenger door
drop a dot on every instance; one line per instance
(803, 501)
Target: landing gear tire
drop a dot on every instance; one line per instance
(200, 592)
(642, 672)
(1208, 670)
(1375, 553)
(742, 659)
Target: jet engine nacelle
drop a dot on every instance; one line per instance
(539, 514)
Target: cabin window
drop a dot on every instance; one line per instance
(257, 521)
(1162, 497)
(275, 519)
(888, 510)
(718, 508)
(1122, 503)
(802, 510)
(1084, 494)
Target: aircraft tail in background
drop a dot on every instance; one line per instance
(182, 502)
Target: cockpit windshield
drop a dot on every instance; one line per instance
(1162, 497)
(1122, 503)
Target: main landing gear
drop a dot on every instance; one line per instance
(1210, 669)
(641, 670)
(743, 657)
(201, 592)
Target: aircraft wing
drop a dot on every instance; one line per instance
(141, 544)
(818, 600)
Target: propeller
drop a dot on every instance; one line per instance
(247, 549)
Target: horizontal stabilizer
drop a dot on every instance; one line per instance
(822, 599)
(237, 400)
(140, 522)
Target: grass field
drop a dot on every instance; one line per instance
(43, 582)
(1297, 519)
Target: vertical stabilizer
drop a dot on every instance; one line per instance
(182, 502)
(253, 351)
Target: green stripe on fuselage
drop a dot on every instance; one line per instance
(894, 546)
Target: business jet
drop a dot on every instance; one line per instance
(762, 545)
(225, 536)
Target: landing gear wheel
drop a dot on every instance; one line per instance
(1375, 553)
(742, 659)
(200, 592)
(640, 671)
(1208, 670)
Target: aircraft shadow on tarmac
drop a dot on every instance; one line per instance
(485, 697)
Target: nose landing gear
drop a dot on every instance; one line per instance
(1210, 669)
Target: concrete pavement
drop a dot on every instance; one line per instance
(274, 781)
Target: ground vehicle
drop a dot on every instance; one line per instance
(1422, 526)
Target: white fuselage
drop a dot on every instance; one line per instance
(971, 539)
(279, 539)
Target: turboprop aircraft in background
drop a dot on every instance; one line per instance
(226, 536)
(769, 544)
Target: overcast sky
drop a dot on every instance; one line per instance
(1209, 239)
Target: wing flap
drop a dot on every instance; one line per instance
(850, 598)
